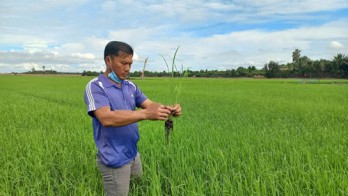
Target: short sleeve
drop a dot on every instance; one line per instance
(95, 97)
(139, 97)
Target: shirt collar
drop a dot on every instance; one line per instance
(107, 83)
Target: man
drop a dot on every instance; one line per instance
(112, 101)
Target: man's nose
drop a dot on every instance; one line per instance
(127, 67)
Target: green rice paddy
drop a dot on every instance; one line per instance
(235, 137)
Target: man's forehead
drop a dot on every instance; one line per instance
(124, 56)
(128, 58)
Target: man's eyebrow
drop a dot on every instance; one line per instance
(124, 61)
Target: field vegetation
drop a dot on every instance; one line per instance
(235, 137)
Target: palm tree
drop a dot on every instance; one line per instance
(296, 55)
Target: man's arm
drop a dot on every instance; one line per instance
(150, 111)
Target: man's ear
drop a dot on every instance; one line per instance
(107, 60)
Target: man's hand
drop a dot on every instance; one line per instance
(156, 111)
(175, 110)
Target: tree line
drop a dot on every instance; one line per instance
(47, 72)
(300, 67)
(304, 67)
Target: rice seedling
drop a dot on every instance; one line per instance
(176, 90)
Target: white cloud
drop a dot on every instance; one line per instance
(108, 6)
(336, 45)
(35, 46)
(241, 48)
(212, 34)
(87, 56)
(28, 66)
(230, 50)
(91, 67)
(62, 68)
(267, 7)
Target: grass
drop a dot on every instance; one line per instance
(235, 137)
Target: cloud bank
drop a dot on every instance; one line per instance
(71, 36)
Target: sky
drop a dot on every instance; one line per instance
(70, 36)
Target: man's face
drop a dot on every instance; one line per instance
(120, 64)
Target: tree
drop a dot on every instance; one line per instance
(296, 61)
(272, 69)
(344, 67)
(340, 65)
(296, 55)
(305, 67)
(318, 68)
(241, 72)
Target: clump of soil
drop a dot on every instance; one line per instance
(168, 126)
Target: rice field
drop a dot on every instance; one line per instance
(235, 137)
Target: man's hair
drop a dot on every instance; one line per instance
(115, 48)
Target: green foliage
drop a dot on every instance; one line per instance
(90, 73)
(304, 67)
(41, 72)
(301, 67)
(235, 137)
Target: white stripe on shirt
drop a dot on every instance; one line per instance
(135, 88)
(91, 101)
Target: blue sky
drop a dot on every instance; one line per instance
(70, 35)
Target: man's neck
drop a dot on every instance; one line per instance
(117, 84)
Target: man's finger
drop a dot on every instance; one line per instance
(165, 110)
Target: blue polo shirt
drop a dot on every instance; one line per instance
(116, 146)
